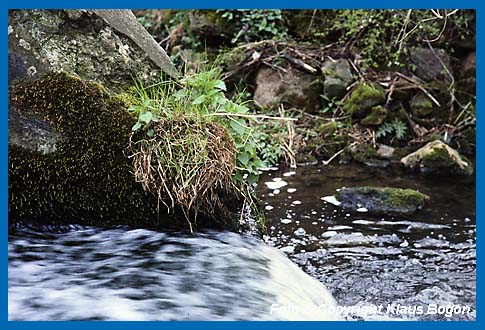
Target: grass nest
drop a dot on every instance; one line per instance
(187, 162)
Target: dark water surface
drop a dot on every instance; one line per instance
(365, 261)
(425, 260)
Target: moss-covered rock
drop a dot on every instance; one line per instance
(377, 116)
(421, 105)
(363, 98)
(87, 179)
(379, 200)
(438, 157)
(326, 128)
(367, 155)
(230, 58)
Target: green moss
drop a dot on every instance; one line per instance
(128, 98)
(364, 153)
(363, 98)
(438, 158)
(405, 197)
(383, 199)
(231, 58)
(421, 105)
(89, 179)
(376, 117)
(327, 129)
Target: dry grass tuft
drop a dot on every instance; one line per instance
(188, 162)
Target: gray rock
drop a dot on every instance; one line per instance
(124, 21)
(385, 151)
(338, 77)
(292, 88)
(381, 200)
(31, 133)
(77, 42)
(469, 66)
(428, 64)
(438, 157)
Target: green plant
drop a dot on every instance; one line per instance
(396, 126)
(202, 99)
(270, 138)
(192, 146)
(331, 105)
(255, 24)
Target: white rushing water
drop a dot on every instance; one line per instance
(123, 274)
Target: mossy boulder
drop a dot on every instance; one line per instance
(231, 58)
(326, 128)
(438, 157)
(363, 98)
(367, 155)
(381, 200)
(86, 178)
(376, 117)
(421, 105)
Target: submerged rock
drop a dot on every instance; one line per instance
(381, 200)
(438, 157)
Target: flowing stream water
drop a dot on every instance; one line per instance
(427, 260)
(136, 274)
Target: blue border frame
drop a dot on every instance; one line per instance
(212, 4)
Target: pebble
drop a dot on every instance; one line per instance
(288, 249)
(328, 234)
(331, 200)
(289, 173)
(277, 183)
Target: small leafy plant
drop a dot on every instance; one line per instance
(396, 127)
(255, 24)
(192, 146)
